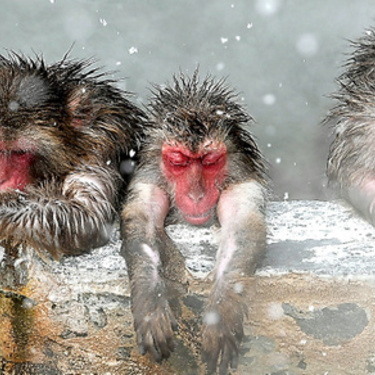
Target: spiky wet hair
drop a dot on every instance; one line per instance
(190, 111)
(351, 155)
(68, 105)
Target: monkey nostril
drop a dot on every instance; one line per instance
(196, 196)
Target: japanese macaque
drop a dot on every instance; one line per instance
(62, 129)
(199, 166)
(351, 161)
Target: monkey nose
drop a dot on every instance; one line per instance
(196, 195)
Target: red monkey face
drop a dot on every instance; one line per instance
(197, 177)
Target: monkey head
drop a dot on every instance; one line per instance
(54, 118)
(63, 131)
(198, 139)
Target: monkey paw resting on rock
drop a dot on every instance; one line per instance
(62, 129)
(198, 166)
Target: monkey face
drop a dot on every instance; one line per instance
(21, 97)
(197, 177)
(41, 135)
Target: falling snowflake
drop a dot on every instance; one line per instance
(269, 99)
(220, 66)
(307, 44)
(133, 50)
(211, 318)
(103, 22)
(267, 7)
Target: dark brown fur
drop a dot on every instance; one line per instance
(191, 112)
(77, 124)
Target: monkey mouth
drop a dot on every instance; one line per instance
(200, 219)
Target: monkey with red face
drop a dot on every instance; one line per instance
(62, 129)
(198, 166)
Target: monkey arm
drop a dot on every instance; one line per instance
(242, 241)
(144, 241)
(362, 197)
(67, 220)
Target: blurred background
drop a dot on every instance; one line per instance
(282, 56)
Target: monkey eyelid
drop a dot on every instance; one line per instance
(178, 159)
(179, 164)
(211, 159)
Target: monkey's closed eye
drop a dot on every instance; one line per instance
(211, 159)
(178, 159)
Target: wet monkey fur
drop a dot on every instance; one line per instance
(198, 166)
(351, 161)
(62, 129)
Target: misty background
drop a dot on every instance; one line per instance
(282, 56)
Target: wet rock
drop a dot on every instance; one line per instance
(75, 316)
(332, 325)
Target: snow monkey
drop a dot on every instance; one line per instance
(199, 166)
(351, 161)
(62, 129)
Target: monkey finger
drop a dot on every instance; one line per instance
(234, 362)
(225, 360)
(141, 349)
(170, 343)
(146, 345)
(229, 354)
(140, 342)
(163, 341)
(211, 358)
(223, 370)
(230, 360)
(155, 354)
(164, 348)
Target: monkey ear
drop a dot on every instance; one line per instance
(79, 107)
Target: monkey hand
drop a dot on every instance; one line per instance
(221, 337)
(154, 324)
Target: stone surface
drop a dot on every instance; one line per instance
(333, 325)
(325, 238)
(311, 309)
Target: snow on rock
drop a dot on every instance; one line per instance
(198, 246)
(326, 238)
